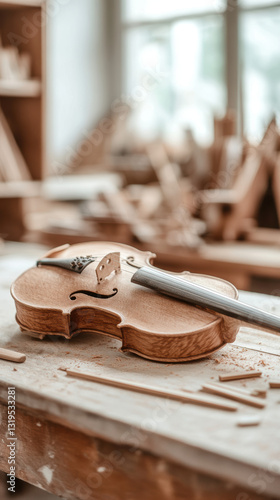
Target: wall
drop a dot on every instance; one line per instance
(76, 70)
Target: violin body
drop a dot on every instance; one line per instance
(73, 289)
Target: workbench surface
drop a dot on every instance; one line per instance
(118, 429)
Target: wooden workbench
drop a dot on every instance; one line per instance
(241, 263)
(82, 440)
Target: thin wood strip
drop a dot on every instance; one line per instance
(240, 375)
(14, 356)
(258, 392)
(233, 389)
(274, 384)
(154, 391)
(227, 393)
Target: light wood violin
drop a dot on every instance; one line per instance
(114, 289)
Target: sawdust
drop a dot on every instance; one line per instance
(262, 363)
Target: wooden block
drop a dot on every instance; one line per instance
(16, 357)
(240, 375)
(154, 391)
(248, 420)
(227, 393)
(274, 384)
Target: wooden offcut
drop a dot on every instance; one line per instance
(258, 392)
(227, 393)
(13, 356)
(240, 375)
(274, 384)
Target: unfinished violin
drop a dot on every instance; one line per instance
(114, 289)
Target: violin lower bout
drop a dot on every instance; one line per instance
(156, 346)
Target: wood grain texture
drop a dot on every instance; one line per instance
(77, 466)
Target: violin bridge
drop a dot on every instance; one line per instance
(111, 263)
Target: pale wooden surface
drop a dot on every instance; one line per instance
(198, 438)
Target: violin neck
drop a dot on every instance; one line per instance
(179, 288)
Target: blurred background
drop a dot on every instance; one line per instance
(148, 122)
(151, 123)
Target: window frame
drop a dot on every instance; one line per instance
(232, 54)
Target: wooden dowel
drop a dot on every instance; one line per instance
(14, 356)
(154, 391)
(240, 375)
(274, 384)
(227, 393)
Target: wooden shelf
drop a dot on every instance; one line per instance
(23, 101)
(22, 105)
(20, 189)
(21, 88)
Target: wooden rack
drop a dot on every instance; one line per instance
(22, 102)
(27, 88)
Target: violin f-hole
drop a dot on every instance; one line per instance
(96, 295)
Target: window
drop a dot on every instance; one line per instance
(189, 44)
(260, 63)
(149, 10)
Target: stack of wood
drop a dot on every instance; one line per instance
(12, 164)
(242, 174)
(13, 65)
(176, 197)
(160, 212)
